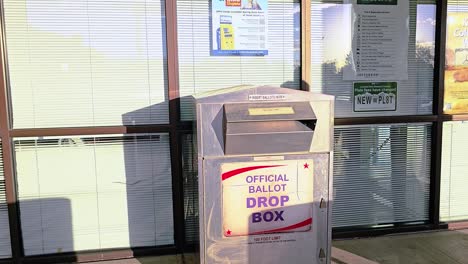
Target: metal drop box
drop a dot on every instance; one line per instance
(265, 175)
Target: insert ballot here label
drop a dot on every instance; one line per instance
(267, 197)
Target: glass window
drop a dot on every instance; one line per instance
(456, 58)
(94, 192)
(381, 174)
(5, 247)
(86, 63)
(190, 174)
(201, 72)
(331, 49)
(453, 194)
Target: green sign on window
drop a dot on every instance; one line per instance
(377, 2)
(375, 96)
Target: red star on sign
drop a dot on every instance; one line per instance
(306, 166)
(229, 232)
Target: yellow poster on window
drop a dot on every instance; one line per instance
(456, 64)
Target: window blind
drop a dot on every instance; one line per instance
(457, 5)
(381, 174)
(453, 194)
(94, 192)
(200, 72)
(86, 62)
(190, 177)
(5, 247)
(453, 205)
(331, 38)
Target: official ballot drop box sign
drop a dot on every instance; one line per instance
(265, 175)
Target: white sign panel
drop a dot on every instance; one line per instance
(380, 35)
(267, 197)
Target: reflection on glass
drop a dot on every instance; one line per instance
(381, 175)
(86, 63)
(331, 46)
(94, 192)
(201, 72)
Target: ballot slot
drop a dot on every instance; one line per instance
(243, 112)
(268, 128)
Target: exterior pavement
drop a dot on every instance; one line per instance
(442, 247)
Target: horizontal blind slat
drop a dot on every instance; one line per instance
(94, 192)
(381, 174)
(200, 72)
(190, 175)
(5, 245)
(86, 62)
(453, 195)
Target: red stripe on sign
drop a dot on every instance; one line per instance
(287, 228)
(235, 172)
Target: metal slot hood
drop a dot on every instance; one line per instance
(243, 112)
(267, 137)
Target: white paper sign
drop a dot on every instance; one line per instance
(267, 197)
(380, 35)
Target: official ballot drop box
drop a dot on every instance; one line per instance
(265, 175)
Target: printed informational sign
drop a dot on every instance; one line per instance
(375, 96)
(380, 36)
(239, 27)
(267, 197)
(456, 64)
